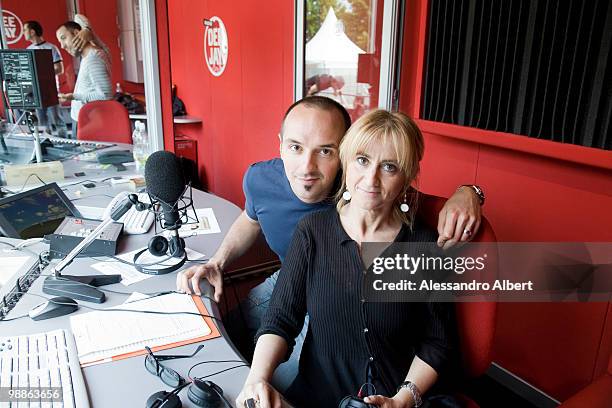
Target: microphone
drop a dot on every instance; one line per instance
(166, 183)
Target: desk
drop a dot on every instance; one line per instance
(176, 119)
(84, 163)
(126, 383)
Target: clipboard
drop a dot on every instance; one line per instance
(214, 333)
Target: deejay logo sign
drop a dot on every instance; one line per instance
(13, 27)
(216, 46)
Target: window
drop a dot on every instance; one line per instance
(542, 69)
(342, 52)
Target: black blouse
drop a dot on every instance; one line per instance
(349, 340)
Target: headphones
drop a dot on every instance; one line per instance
(159, 246)
(204, 394)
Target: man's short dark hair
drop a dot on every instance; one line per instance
(35, 25)
(70, 25)
(323, 103)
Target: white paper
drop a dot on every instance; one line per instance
(207, 224)
(10, 266)
(92, 213)
(129, 274)
(103, 334)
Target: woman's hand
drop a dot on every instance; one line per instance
(403, 399)
(260, 391)
(82, 38)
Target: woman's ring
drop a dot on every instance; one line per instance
(467, 232)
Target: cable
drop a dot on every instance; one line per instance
(8, 244)
(28, 242)
(25, 183)
(242, 364)
(202, 261)
(76, 183)
(92, 195)
(96, 256)
(22, 245)
(6, 100)
(151, 294)
(111, 310)
(14, 318)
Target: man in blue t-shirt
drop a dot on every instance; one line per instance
(280, 191)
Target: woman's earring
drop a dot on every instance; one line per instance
(404, 207)
(346, 195)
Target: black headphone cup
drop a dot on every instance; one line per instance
(205, 394)
(175, 246)
(158, 245)
(170, 400)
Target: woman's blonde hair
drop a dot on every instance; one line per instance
(384, 127)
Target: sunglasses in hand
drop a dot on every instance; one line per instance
(167, 375)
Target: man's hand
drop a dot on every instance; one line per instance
(459, 219)
(260, 391)
(82, 38)
(210, 271)
(65, 97)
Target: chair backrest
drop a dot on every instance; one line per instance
(475, 320)
(105, 121)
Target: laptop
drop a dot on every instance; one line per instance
(35, 213)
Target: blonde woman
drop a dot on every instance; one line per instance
(351, 342)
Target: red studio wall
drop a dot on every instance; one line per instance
(241, 109)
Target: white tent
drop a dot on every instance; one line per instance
(331, 47)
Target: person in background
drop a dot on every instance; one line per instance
(318, 83)
(398, 349)
(93, 80)
(279, 192)
(33, 32)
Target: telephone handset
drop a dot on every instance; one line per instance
(115, 203)
(134, 221)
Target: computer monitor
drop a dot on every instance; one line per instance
(28, 79)
(35, 213)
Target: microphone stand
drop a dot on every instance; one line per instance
(80, 287)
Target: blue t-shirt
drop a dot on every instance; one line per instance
(271, 202)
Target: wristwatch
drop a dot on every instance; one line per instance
(414, 390)
(477, 190)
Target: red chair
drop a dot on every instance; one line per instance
(598, 394)
(475, 320)
(104, 121)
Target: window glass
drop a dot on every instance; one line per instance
(342, 52)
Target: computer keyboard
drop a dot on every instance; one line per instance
(138, 222)
(46, 362)
(134, 221)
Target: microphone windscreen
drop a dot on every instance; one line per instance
(164, 176)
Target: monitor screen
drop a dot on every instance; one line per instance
(36, 212)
